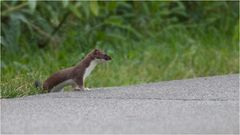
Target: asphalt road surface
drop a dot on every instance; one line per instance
(201, 105)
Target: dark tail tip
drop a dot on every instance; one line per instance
(37, 84)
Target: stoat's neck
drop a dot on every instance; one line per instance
(90, 68)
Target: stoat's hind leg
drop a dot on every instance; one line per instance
(76, 87)
(56, 89)
(79, 88)
(62, 90)
(60, 86)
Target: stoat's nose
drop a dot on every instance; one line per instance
(106, 57)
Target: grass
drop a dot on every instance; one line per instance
(168, 55)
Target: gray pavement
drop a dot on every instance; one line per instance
(201, 105)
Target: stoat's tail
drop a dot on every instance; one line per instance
(38, 84)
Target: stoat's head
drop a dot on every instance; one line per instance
(100, 56)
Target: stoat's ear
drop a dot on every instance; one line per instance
(95, 51)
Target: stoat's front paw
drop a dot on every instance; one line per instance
(87, 89)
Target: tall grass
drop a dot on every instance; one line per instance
(174, 54)
(148, 41)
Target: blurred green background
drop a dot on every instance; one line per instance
(148, 41)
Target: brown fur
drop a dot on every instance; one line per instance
(75, 73)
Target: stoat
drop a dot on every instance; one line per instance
(75, 75)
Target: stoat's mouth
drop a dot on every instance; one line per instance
(107, 58)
